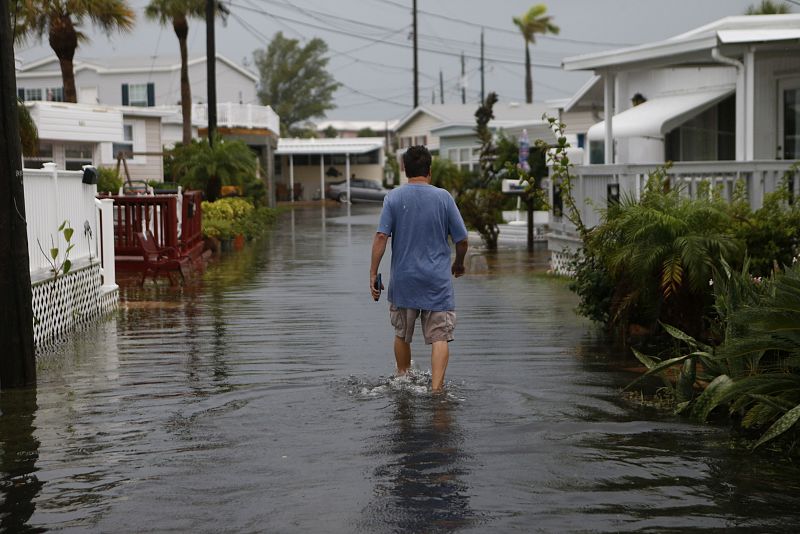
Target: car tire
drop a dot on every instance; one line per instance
(342, 198)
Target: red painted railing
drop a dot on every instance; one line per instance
(159, 215)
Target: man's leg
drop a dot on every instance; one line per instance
(440, 353)
(402, 355)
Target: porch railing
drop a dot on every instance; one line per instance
(232, 115)
(594, 183)
(174, 220)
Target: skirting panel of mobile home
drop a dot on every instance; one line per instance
(69, 302)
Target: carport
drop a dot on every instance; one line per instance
(326, 149)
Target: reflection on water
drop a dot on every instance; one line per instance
(19, 450)
(254, 399)
(422, 487)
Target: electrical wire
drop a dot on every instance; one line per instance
(506, 30)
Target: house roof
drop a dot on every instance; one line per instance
(593, 87)
(132, 64)
(358, 145)
(656, 117)
(357, 125)
(465, 113)
(694, 46)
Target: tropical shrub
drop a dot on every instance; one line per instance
(771, 234)
(755, 372)
(201, 166)
(658, 253)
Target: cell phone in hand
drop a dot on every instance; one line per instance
(378, 285)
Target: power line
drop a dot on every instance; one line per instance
(389, 43)
(509, 31)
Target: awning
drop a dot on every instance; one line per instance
(358, 145)
(658, 116)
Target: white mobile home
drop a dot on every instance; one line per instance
(74, 135)
(720, 101)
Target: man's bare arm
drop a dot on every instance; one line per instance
(378, 249)
(458, 263)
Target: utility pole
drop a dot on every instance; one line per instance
(211, 71)
(18, 363)
(433, 96)
(463, 81)
(441, 87)
(483, 95)
(416, 65)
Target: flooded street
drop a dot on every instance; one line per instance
(258, 398)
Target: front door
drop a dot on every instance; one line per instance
(789, 119)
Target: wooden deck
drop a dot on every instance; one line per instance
(174, 222)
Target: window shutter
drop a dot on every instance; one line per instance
(124, 94)
(151, 94)
(21, 93)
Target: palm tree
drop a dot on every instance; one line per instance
(533, 22)
(768, 7)
(28, 132)
(61, 20)
(178, 13)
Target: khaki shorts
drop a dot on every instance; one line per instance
(436, 325)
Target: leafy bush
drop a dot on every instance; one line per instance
(229, 217)
(755, 372)
(108, 181)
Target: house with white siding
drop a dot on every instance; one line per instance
(136, 81)
(721, 102)
(419, 125)
(74, 135)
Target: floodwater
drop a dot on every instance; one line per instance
(258, 398)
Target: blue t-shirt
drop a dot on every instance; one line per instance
(419, 217)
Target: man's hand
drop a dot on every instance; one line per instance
(458, 264)
(374, 292)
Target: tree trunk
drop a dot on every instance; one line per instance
(64, 42)
(181, 27)
(528, 77)
(18, 362)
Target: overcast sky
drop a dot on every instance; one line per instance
(370, 46)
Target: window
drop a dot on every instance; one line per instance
(32, 94)
(597, 152)
(43, 155)
(421, 140)
(55, 94)
(77, 155)
(138, 94)
(710, 136)
(466, 159)
(127, 145)
(581, 140)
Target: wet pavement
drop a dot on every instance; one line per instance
(258, 398)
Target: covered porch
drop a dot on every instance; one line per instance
(729, 90)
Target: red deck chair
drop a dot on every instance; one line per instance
(158, 260)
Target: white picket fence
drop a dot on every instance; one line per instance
(89, 289)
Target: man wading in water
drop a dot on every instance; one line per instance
(419, 217)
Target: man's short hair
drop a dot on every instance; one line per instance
(417, 161)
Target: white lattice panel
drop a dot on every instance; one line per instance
(67, 303)
(561, 263)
